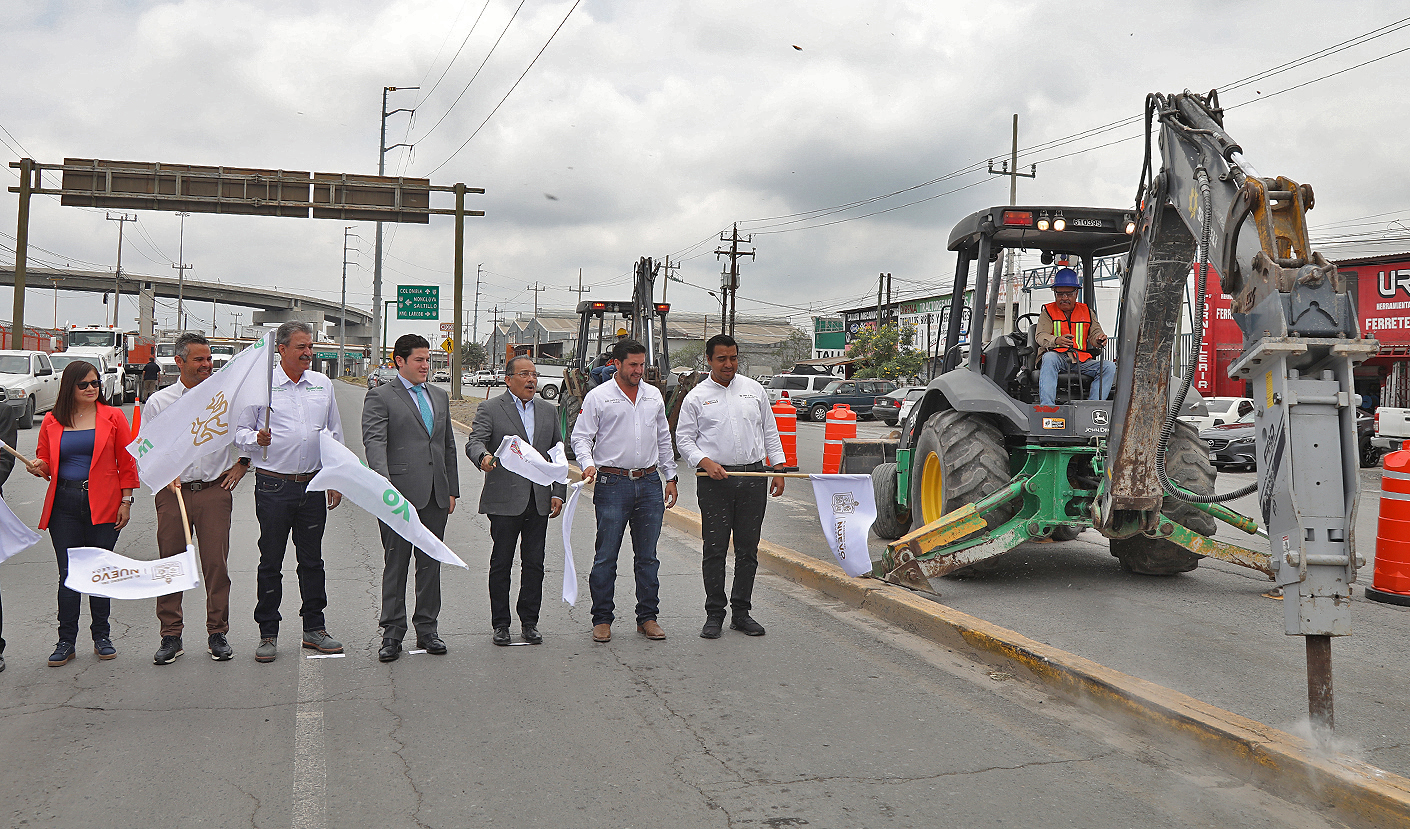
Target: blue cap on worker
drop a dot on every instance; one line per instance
(1065, 278)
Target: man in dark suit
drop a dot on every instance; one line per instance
(518, 509)
(407, 437)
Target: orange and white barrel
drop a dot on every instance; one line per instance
(1391, 579)
(841, 425)
(786, 418)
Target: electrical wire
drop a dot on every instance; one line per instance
(428, 92)
(472, 77)
(511, 89)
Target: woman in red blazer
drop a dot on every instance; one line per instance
(83, 455)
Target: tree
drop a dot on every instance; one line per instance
(886, 353)
(472, 356)
(691, 355)
(796, 348)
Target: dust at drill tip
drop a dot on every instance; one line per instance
(1088, 460)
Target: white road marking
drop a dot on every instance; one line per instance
(310, 808)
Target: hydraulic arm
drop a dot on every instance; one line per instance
(1301, 340)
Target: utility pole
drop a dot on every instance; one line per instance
(666, 268)
(182, 268)
(381, 170)
(880, 287)
(580, 290)
(537, 289)
(121, 219)
(730, 281)
(343, 312)
(475, 316)
(1010, 169)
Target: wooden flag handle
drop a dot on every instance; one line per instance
(8, 448)
(185, 522)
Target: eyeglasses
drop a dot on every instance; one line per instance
(1064, 293)
(89, 384)
(527, 375)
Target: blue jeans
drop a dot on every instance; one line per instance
(619, 501)
(283, 507)
(1055, 362)
(71, 525)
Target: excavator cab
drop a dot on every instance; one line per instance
(981, 431)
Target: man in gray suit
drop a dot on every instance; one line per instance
(518, 509)
(407, 436)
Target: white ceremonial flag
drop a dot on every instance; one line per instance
(521, 458)
(570, 572)
(100, 572)
(202, 421)
(847, 508)
(342, 471)
(15, 535)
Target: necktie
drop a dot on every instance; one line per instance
(424, 405)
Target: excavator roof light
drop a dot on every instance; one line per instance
(1022, 218)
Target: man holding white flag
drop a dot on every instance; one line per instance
(520, 493)
(283, 436)
(207, 489)
(408, 439)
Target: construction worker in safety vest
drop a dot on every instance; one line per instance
(1068, 339)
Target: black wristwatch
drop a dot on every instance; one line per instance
(245, 462)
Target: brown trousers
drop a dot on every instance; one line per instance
(209, 511)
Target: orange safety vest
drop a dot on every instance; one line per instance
(1076, 327)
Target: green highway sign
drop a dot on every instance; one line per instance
(326, 355)
(418, 302)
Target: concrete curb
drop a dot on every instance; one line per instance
(1292, 768)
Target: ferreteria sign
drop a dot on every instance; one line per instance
(418, 302)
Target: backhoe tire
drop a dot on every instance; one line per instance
(1187, 464)
(891, 523)
(568, 408)
(1065, 532)
(958, 459)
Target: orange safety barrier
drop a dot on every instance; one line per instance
(841, 425)
(1391, 580)
(786, 418)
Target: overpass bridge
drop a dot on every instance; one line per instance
(270, 306)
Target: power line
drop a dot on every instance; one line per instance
(454, 56)
(511, 89)
(472, 79)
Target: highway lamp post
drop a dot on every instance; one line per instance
(343, 310)
(181, 268)
(382, 148)
(382, 353)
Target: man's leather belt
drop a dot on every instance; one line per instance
(298, 479)
(630, 474)
(197, 486)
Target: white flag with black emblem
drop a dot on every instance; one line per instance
(100, 572)
(846, 508)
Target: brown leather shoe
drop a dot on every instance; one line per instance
(651, 630)
(602, 633)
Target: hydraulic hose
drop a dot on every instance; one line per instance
(1196, 343)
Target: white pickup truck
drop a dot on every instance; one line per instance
(30, 383)
(1392, 428)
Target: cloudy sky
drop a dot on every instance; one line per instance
(647, 127)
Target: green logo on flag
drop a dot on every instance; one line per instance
(143, 447)
(393, 499)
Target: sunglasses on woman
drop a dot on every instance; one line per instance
(89, 384)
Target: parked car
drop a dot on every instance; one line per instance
(550, 381)
(892, 408)
(785, 386)
(442, 375)
(482, 378)
(380, 375)
(112, 391)
(1232, 444)
(1221, 410)
(860, 395)
(29, 382)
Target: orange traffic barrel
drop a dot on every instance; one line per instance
(841, 425)
(1391, 580)
(786, 418)
(137, 418)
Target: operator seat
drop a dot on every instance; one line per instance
(1072, 385)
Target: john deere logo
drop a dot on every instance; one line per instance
(1099, 417)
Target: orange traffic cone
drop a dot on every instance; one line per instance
(1391, 580)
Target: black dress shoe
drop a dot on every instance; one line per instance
(532, 635)
(432, 644)
(711, 630)
(501, 636)
(391, 649)
(746, 625)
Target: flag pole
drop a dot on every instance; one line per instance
(700, 474)
(8, 448)
(269, 398)
(185, 522)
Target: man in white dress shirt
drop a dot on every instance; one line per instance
(301, 406)
(726, 425)
(623, 442)
(206, 487)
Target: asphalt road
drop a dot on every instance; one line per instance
(1209, 633)
(833, 719)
